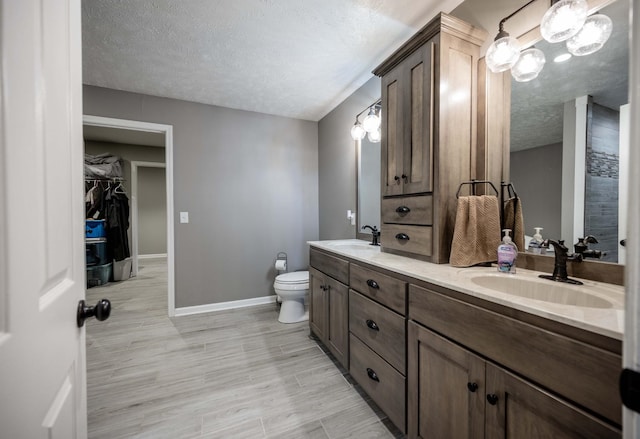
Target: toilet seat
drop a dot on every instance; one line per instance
(297, 280)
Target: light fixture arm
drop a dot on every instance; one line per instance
(501, 31)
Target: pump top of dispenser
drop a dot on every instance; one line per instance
(537, 236)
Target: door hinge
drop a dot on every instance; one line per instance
(630, 389)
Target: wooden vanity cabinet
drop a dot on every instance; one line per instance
(429, 91)
(377, 326)
(497, 377)
(329, 303)
(458, 394)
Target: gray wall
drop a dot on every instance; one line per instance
(249, 182)
(152, 211)
(536, 174)
(337, 162)
(150, 235)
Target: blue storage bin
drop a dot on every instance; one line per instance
(96, 229)
(96, 251)
(98, 275)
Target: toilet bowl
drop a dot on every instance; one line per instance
(292, 289)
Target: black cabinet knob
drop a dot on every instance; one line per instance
(373, 325)
(396, 178)
(403, 209)
(101, 311)
(405, 178)
(472, 387)
(373, 284)
(492, 398)
(372, 374)
(402, 236)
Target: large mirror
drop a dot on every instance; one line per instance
(369, 166)
(568, 133)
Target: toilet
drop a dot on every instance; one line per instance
(292, 289)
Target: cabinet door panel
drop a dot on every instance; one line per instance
(418, 139)
(392, 132)
(317, 304)
(524, 411)
(338, 325)
(445, 388)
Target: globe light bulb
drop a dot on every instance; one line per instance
(529, 65)
(503, 53)
(595, 32)
(371, 122)
(374, 136)
(563, 20)
(357, 132)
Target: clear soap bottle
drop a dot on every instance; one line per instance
(507, 254)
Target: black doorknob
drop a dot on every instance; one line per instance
(101, 311)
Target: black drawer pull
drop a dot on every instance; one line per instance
(472, 387)
(372, 374)
(402, 236)
(373, 284)
(403, 209)
(492, 398)
(373, 325)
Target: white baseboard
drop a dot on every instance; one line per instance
(210, 307)
(156, 256)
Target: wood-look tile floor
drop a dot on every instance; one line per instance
(229, 374)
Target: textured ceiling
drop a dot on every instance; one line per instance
(294, 58)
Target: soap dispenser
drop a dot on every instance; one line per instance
(507, 254)
(536, 244)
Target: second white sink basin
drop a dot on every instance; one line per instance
(543, 290)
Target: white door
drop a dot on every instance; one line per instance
(42, 355)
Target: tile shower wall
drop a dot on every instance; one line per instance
(601, 197)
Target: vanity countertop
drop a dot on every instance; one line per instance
(607, 321)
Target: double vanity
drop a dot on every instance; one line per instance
(469, 352)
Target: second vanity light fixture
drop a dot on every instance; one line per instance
(370, 126)
(565, 20)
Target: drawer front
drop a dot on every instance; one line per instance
(386, 290)
(379, 328)
(333, 266)
(408, 210)
(381, 382)
(417, 239)
(582, 373)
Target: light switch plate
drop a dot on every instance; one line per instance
(184, 217)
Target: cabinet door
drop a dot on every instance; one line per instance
(517, 409)
(338, 326)
(392, 131)
(317, 304)
(417, 105)
(446, 388)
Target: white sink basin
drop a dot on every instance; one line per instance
(543, 290)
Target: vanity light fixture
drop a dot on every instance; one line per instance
(370, 126)
(505, 49)
(529, 65)
(595, 32)
(563, 20)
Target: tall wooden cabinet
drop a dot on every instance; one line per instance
(429, 111)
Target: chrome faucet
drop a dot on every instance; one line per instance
(375, 234)
(560, 266)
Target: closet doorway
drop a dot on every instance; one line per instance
(123, 131)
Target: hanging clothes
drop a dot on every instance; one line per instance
(117, 216)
